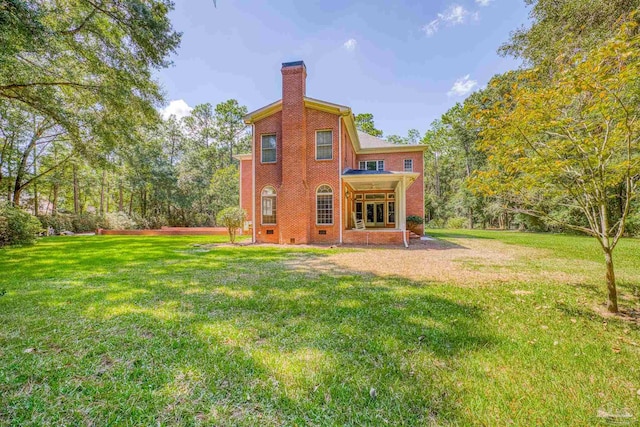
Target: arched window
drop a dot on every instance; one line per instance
(324, 205)
(269, 205)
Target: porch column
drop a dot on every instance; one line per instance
(401, 205)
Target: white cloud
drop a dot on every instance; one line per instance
(178, 108)
(350, 44)
(483, 2)
(431, 28)
(462, 86)
(454, 15)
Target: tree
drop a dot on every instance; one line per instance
(86, 65)
(566, 26)
(573, 144)
(232, 218)
(230, 127)
(364, 123)
(225, 188)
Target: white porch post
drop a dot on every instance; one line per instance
(401, 191)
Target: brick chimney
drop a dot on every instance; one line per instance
(294, 190)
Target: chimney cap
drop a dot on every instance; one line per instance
(293, 64)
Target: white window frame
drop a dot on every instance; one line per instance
(269, 192)
(362, 165)
(275, 148)
(324, 194)
(410, 168)
(331, 145)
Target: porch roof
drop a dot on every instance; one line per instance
(377, 180)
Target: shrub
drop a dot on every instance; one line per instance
(85, 223)
(632, 225)
(456, 222)
(118, 221)
(414, 222)
(435, 223)
(17, 227)
(232, 218)
(58, 223)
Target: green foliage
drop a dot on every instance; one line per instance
(118, 221)
(17, 227)
(225, 188)
(86, 223)
(58, 223)
(364, 123)
(566, 26)
(456, 222)
(233, 219)
(415, 219)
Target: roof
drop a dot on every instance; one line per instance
(365, 172)
(362, 142)
(370, 141)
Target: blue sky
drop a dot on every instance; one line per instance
(406, 62)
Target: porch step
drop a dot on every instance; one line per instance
(413, 235)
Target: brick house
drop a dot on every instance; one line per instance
(311, 174)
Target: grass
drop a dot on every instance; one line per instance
(112, 330)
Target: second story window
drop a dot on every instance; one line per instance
(408, 165)
(324, 145)
(268, 148)
(372, 165)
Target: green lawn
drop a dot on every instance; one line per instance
(114, 330)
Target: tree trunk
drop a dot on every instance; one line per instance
(54, 207)
(76, 191)
(120, 199)
(36, 207)
(470, 218)
(612, 302)
(102, 187)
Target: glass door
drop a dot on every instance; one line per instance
(374, 214)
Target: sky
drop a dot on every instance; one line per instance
(406, 62)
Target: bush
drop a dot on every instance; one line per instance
(435, 223)
(85, 223)
(118, 221)
(456, 222)
(232, 218)
(58, 223)
(632, 225)
(17, 227)
(414, 223)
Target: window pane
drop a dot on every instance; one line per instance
(391, 212)
(371, 166)
(380, 165)
(324, 145)
(324, 209)
(408, 165)
(268, 148)
(268, 209)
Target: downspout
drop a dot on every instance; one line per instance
(340, 172)
(404, 212)
(253, 183)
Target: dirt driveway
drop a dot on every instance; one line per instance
(468, 261)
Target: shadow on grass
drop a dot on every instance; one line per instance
(152, 332)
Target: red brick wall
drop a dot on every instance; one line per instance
(395, 162)
(268, 174)
(246, 178)
(321, 172)
(293, 215)
(364, 237)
